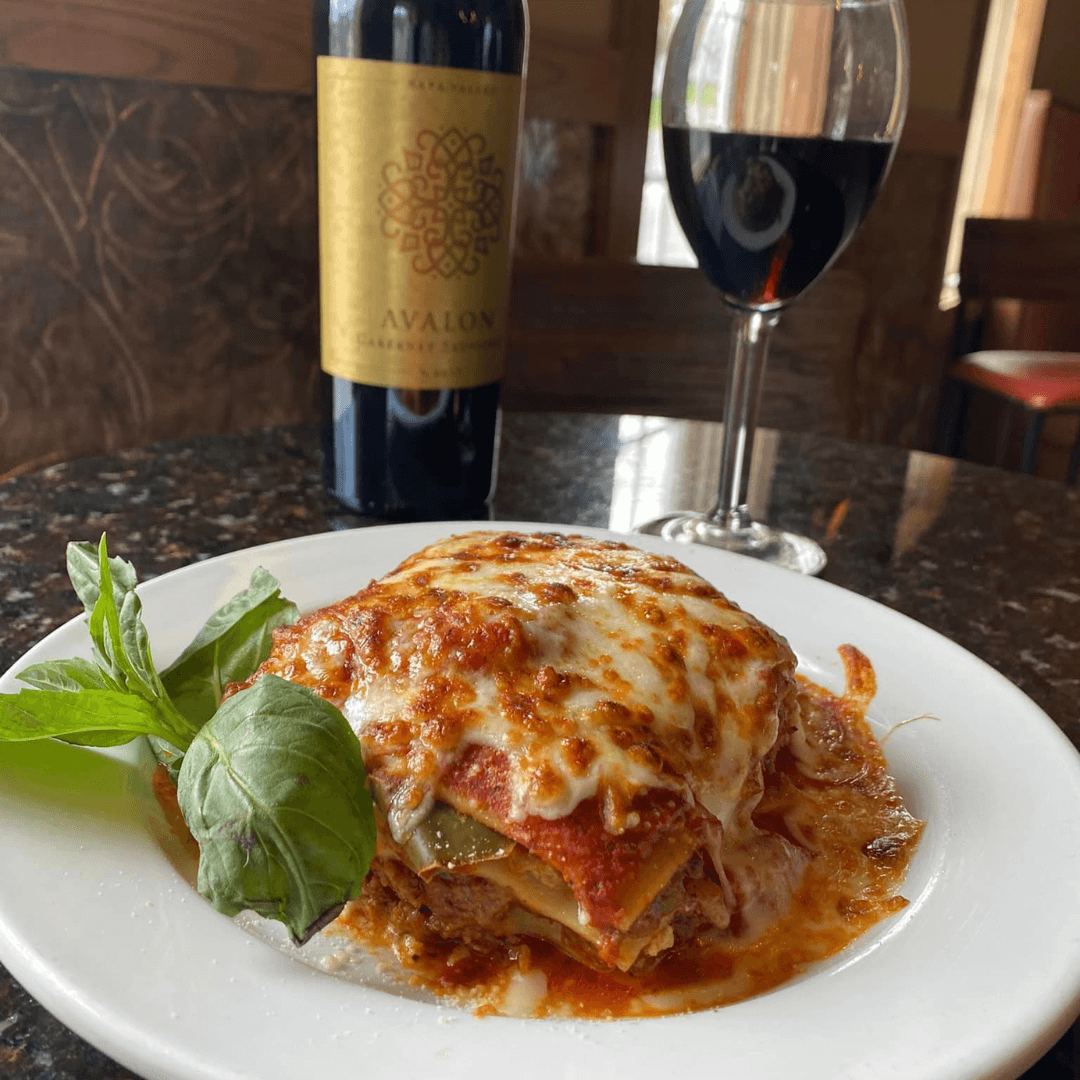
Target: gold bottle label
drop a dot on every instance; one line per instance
(416, 177)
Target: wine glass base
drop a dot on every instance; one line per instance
(789, 550)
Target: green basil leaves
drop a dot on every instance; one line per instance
(229, 648)
(273, 789)
(87, 717)
(76, 698)
(271, 784)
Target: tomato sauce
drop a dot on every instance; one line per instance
(847, 813)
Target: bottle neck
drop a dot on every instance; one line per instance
(477, 35)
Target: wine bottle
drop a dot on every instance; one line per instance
(419, 108)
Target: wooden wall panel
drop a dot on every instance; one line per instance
(943, 50)
(1056, 68)
(266, 45)
(569, 81)
(933, 133)
(252, 44)
(157, 255)
(1043, 256)
(633, 33)
(585, 21)
(157, 259)
(899, 354)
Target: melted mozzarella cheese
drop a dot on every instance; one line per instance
(595, 668)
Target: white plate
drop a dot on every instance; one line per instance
(975, 979)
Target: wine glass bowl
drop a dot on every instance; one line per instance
(780, 119)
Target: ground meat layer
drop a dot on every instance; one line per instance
(424, 917)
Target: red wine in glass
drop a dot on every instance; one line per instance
(766, 214)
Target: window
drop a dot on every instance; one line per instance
(660, 237)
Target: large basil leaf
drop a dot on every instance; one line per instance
(232, 644)
(273, 789)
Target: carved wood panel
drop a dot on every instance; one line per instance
(157, 252)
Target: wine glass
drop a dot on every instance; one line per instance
(780, 119)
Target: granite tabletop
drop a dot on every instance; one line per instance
(987, 558)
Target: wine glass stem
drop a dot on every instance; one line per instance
(746, 368)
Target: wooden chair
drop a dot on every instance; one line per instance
(613, 336)
(1017, 260)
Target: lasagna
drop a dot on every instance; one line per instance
(582, 751)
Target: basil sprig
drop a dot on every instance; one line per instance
(271, 784)
(75, 699)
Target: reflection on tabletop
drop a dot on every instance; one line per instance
(664, 465)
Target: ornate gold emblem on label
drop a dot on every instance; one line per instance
(416, 169)
(445, 201)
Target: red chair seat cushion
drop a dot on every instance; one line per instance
(1039, 380)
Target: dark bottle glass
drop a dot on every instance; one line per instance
(400, 453)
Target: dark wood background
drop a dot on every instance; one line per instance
(157, 239)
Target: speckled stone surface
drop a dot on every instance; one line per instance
(990, 559)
